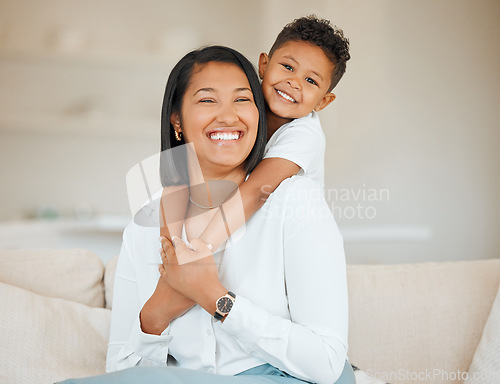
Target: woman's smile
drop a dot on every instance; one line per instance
(224, 136)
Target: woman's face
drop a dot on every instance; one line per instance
(219, 117)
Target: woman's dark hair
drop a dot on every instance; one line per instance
(173, 169)
(321, 33)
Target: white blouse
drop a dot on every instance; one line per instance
(288, 272)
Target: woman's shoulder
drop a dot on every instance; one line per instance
(137, 230)
(136, 235)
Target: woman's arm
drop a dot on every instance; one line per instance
(253, 193)
(312, 345)
(173, 206)
(140, 337)
(164, 305)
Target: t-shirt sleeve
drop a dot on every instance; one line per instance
(300, 142)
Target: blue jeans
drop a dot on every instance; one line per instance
(262, 374)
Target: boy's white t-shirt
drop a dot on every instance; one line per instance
(301, 141)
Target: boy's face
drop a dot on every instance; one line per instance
(295, 79)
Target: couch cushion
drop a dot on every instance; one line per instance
(73, 274)
(45, 339)
(412, 319)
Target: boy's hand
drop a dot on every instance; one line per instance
(196, 250)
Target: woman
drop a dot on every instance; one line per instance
(270, 308)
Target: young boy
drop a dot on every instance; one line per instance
(304, 64)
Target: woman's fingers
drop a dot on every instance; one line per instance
(163, 256)
(197, 251)
(162, 270)
(168, 254)
(165, 243)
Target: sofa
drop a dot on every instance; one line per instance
(408, 323)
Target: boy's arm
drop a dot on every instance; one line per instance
(253, 193)
(173, 207)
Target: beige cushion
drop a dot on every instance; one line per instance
(418, 316)
(485, 367)
(46, 339)
(109, 280)
(73, 274)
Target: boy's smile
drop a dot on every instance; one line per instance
(296, 79)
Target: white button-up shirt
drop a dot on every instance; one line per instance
(288, 273)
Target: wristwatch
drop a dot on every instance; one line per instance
(223, 305)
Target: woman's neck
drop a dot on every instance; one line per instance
(274, 122)
(209, 188)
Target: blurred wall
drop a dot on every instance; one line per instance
(412, 139)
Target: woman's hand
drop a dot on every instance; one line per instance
(199, 279)
(165, 305)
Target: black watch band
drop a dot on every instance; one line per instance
(218, 316)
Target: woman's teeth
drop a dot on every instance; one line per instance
(285, 96)
(225, 135)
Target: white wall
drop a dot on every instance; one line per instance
(419, 116)
(414, 126)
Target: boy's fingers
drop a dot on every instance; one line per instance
(184, 254)
(161, 269)
(200, 246)
(198, 250)
(178, 244)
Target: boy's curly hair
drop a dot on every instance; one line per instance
(319, 32)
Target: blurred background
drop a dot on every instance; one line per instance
(412, 161)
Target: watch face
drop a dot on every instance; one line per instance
(224, 304)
